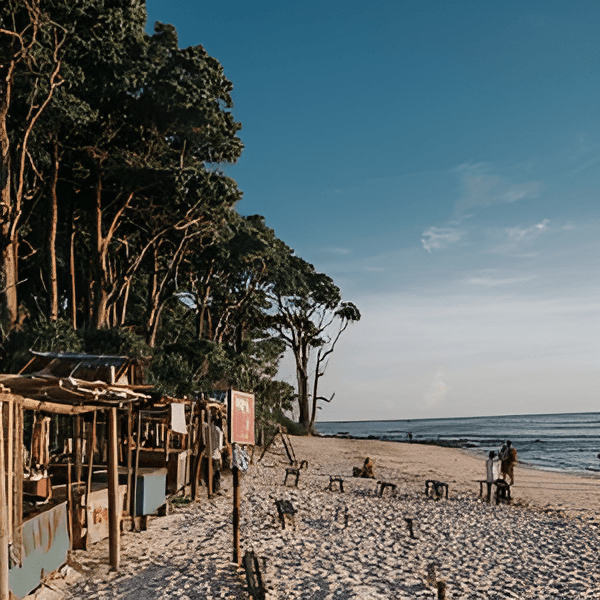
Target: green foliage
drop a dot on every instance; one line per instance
(122, 137)
(41, 335)
(115, 342)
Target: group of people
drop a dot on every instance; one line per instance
(506, 459)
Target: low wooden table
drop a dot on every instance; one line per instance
(502, 490)
(436, 488)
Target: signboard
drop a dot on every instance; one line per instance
(241, 417)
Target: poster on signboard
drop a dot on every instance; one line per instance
(241, 417)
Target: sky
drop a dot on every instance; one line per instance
(441, 162)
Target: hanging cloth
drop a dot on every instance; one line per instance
(40, 442)
(178, 424)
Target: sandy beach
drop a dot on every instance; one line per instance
(356, 544)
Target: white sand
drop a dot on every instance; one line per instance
(357, 545)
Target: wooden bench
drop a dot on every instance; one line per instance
(502, 490)
(436, 488)
(286, 510)
(384, 484)
(333, 480)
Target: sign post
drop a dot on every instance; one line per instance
(241, 431)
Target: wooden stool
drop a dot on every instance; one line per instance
(285, 510)
(436, 488)
(383, 484)
(292, 471)
(502, 491)
(333, 480)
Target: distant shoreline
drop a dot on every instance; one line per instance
(461, 444)
(467, 447)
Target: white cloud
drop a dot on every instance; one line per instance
(493, 282)
(337, 251)
(481, 187)
(438, 238)
(520, 233)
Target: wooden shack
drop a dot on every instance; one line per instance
(88, 449)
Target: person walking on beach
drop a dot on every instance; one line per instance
(508, 459)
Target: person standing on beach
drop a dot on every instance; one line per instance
(491, 465)
(508, 459)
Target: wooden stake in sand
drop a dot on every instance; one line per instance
(236, 515)
(441, 590)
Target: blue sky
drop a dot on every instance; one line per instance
(441, 161)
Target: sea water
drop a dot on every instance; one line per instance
(557, 442)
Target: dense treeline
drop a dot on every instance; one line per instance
(119, 232)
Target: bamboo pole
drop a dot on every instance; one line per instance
(113, 491)
(4, 588)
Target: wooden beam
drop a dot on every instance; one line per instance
(55, 408)
(114, 511)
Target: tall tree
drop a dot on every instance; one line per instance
(307, 306)
(31, 56)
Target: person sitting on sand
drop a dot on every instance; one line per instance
(508, 459)
(366, 471)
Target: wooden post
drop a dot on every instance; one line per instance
(129, 454)
(70, 505)
(17, 539)
(10, 468)
(236, 516)
(138, 445)
(4, 589)
(195, 456)
(209, 451)
(91, 444)
(441, 590)
(114, 511)
(77, 435)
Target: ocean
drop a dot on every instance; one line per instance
(558, 442)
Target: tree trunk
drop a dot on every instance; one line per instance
(72, 271)
(152, 306)
(52, 226)
(100, 313)
(302, 377)
(8, 274)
